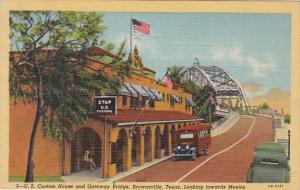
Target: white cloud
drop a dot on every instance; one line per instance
(218, 54)
(235, 54)
(259, 68)
(120, 38)
(144, 45)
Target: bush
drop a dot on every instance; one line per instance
(287, 118)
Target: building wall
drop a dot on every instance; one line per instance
(47, 152)
(159, 105)
(51, 157)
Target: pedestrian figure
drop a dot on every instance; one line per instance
(87, 158)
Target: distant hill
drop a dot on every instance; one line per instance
(276, 98)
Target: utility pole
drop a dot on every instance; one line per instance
(130, 35)
(209, 113)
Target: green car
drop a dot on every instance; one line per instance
(270, 164)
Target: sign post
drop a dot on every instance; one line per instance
(105, 105)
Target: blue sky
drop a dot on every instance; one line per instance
(255, 48)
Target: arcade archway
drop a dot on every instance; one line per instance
(173, 136)
(157, 152)
(136, 147)
(119, 151)
(165, 141)
(85, 139)
(147, 144)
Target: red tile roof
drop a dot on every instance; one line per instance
(126, 116)
(101, 51)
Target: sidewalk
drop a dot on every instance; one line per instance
(95, 176)
(83, 176)
(135, 169)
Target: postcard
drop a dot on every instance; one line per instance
(149, 95)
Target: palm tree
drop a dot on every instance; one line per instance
(176, 73)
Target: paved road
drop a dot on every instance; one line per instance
(228, 161)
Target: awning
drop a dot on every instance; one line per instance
(124, 91)
(189, 102)
(176, 98)
(157, 94)
(150, 93)
(130, 89)
(139, 89)
(154, 93)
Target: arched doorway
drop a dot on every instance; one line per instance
(147, 144)
(119, 151)
(173, 136)
(157, 152)
(136, 147)
(165, 141)
(85, 139)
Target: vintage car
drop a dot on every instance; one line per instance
(270, 164)
(192, 141)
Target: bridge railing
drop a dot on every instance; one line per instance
(224, 124)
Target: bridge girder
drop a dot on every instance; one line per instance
(223, 83)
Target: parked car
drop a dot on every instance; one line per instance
(192, 141)
(270, 164)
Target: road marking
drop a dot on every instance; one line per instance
(218, 153)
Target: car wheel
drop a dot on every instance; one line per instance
(194, 157)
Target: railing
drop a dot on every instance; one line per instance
(224, 124)
(223, 112)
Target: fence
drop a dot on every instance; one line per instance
(224, 124)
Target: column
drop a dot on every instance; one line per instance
(127, 154)
(152, 146)
(169, 146)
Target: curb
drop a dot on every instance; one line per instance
(134, 170)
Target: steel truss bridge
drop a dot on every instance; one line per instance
(227, 90)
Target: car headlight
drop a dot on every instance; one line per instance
(187, 147)
(178, 147)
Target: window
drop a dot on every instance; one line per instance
(124, 100)
(168, 97)
(172, 102)
(163, 96)
(144, 99)
(134, 101)
(203, 133)
(187, 108)
(152, 103)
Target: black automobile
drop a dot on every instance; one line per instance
(185, 150)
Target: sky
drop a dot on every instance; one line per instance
(254, 48)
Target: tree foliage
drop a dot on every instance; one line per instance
(49, 66)
(176, 73)
(265, 106)
(53, 46)
(200, 96)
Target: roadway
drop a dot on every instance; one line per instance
(229, 158)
